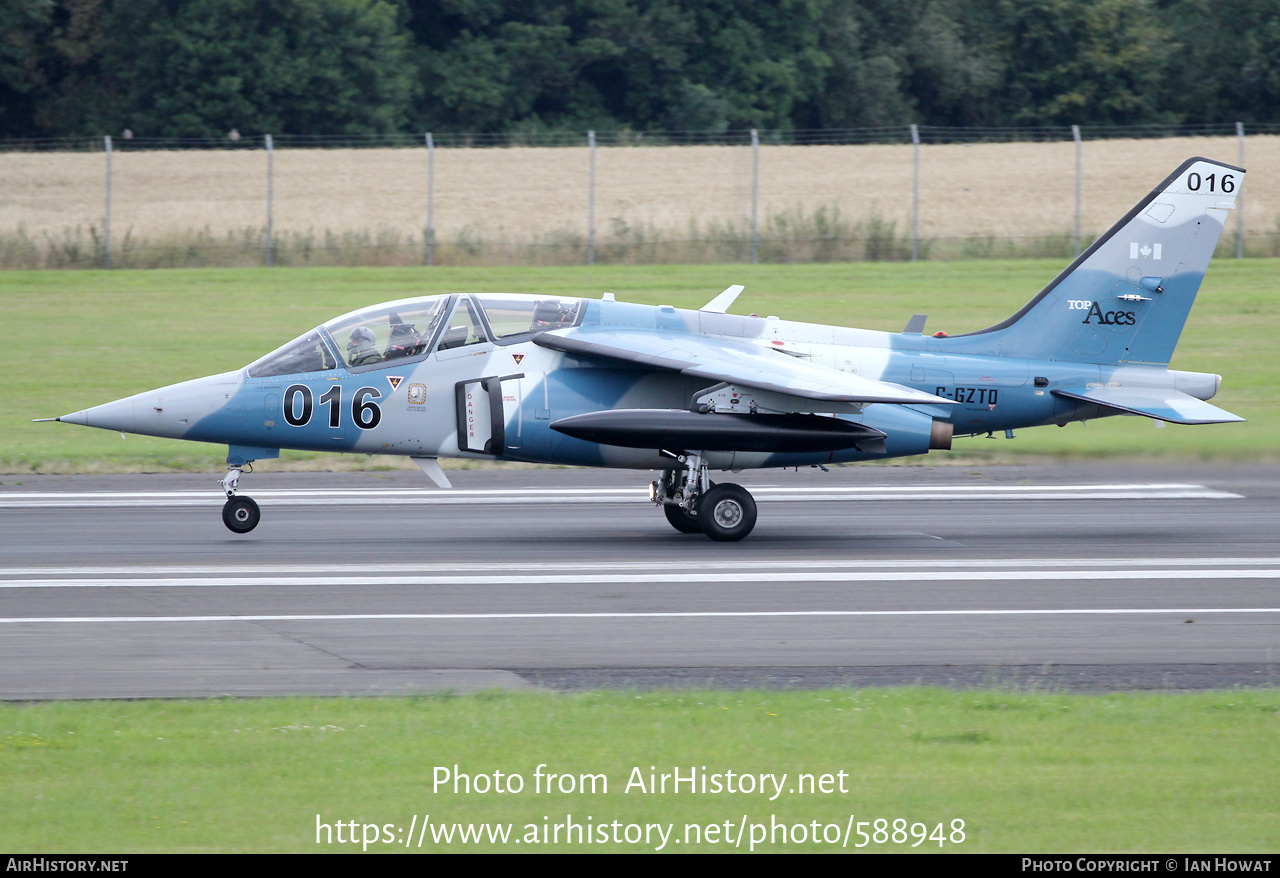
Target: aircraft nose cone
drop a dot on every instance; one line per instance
(167, 411)
(116, 415)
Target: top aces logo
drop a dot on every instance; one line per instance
(1105, 318)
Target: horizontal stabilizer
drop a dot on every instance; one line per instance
(1173, 406)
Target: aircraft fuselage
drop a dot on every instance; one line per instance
(498, 400)
(607, 383)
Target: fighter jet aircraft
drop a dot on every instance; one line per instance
(600, 382)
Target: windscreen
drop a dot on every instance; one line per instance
(385, 333)
(306, 354)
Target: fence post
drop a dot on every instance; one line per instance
(1240, 197)
(755, 196)
(106, 222)
(271, 156)
(591, 201)
(915, 193)
(1075, 135)
(431, 196)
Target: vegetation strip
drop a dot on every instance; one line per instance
(1024, 771)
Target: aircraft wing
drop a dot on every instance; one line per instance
(735, 362)
(1169, 405)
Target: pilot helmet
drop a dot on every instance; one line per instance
(362, 338)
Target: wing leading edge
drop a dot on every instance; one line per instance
(740, 363)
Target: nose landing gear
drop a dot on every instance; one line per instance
(239, 514)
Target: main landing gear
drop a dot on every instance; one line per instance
(692, 502)
(239, 514)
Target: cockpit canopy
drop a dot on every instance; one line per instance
(396, 331)
(410, 329)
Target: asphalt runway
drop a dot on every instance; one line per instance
(1072, 577)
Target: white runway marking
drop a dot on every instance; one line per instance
(728, 614)
(686, 567)
(794, 576)
(694, 573)
(770, 493)
(554, 574)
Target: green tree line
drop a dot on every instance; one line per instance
(200, 68)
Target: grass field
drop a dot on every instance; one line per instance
(1026, 773)
(653, 204)
(83, 338)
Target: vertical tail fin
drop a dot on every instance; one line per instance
(1127, 297)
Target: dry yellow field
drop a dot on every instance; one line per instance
(520, 196)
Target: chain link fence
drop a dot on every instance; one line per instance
(901, 193)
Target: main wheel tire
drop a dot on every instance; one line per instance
(727, 513)
(241, 514)
(680, 519)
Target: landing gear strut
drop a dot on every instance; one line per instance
(239, 514)
(693, 503)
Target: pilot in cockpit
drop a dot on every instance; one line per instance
(361, 347)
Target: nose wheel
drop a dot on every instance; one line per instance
(239, 514)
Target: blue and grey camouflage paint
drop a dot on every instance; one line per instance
(488, 376)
